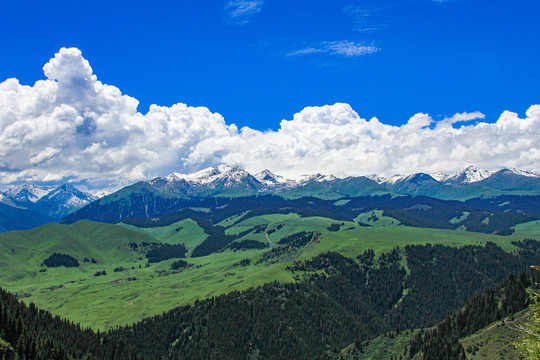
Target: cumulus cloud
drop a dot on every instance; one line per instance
(73, 127)
(240, 11)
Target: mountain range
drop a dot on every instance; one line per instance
(163, 194)
(28, 205)
(234, 181)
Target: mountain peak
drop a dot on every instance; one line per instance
(27, 192)
(468, 175)
(203, 176)
(523, 172)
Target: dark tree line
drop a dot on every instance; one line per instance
(32, 334)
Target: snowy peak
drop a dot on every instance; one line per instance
(379, 179)
(63, 200)
(204, 176)
(394, 179)
(469, 175)
(271, 180)
(266, 177)
(419, 178)
(304, 179)
(235, 175)
(102, 193)
(69, 191)
(522, 172)
(440, 176)
(27, 192)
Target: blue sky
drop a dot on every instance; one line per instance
(343, 87)
(255, 67)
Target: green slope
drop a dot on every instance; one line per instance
(496, 341)
(139, 291)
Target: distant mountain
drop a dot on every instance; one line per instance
(27, 193)
(467, 176)
(63, 200)
(469, 183)
(272, 180)
(513, 180)
(27, 205)
(326, 187)
(219, 181)
(416, 184)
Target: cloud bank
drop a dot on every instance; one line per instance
(73, 127)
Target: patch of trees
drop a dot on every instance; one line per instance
(161, 252)
(57, 260)
(280, 321)
(294, 238)
(180, 264)
(289, 249)
(247, 245)
(334, 227)
(243, 262)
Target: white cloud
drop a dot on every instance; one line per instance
(71, 126)
(344, 48)
(240, 11)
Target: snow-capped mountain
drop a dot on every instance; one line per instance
(379, 179)
(101, 193)
(234, 181)
(27, 193)
(27, 205)
(440, 176)
(62, 201)
(271, 180)
(524, 172)
(204, 176)
(467, 176)
(393, 179)
(6, 200)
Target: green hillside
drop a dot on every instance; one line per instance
(141, 290)
(496, 341)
